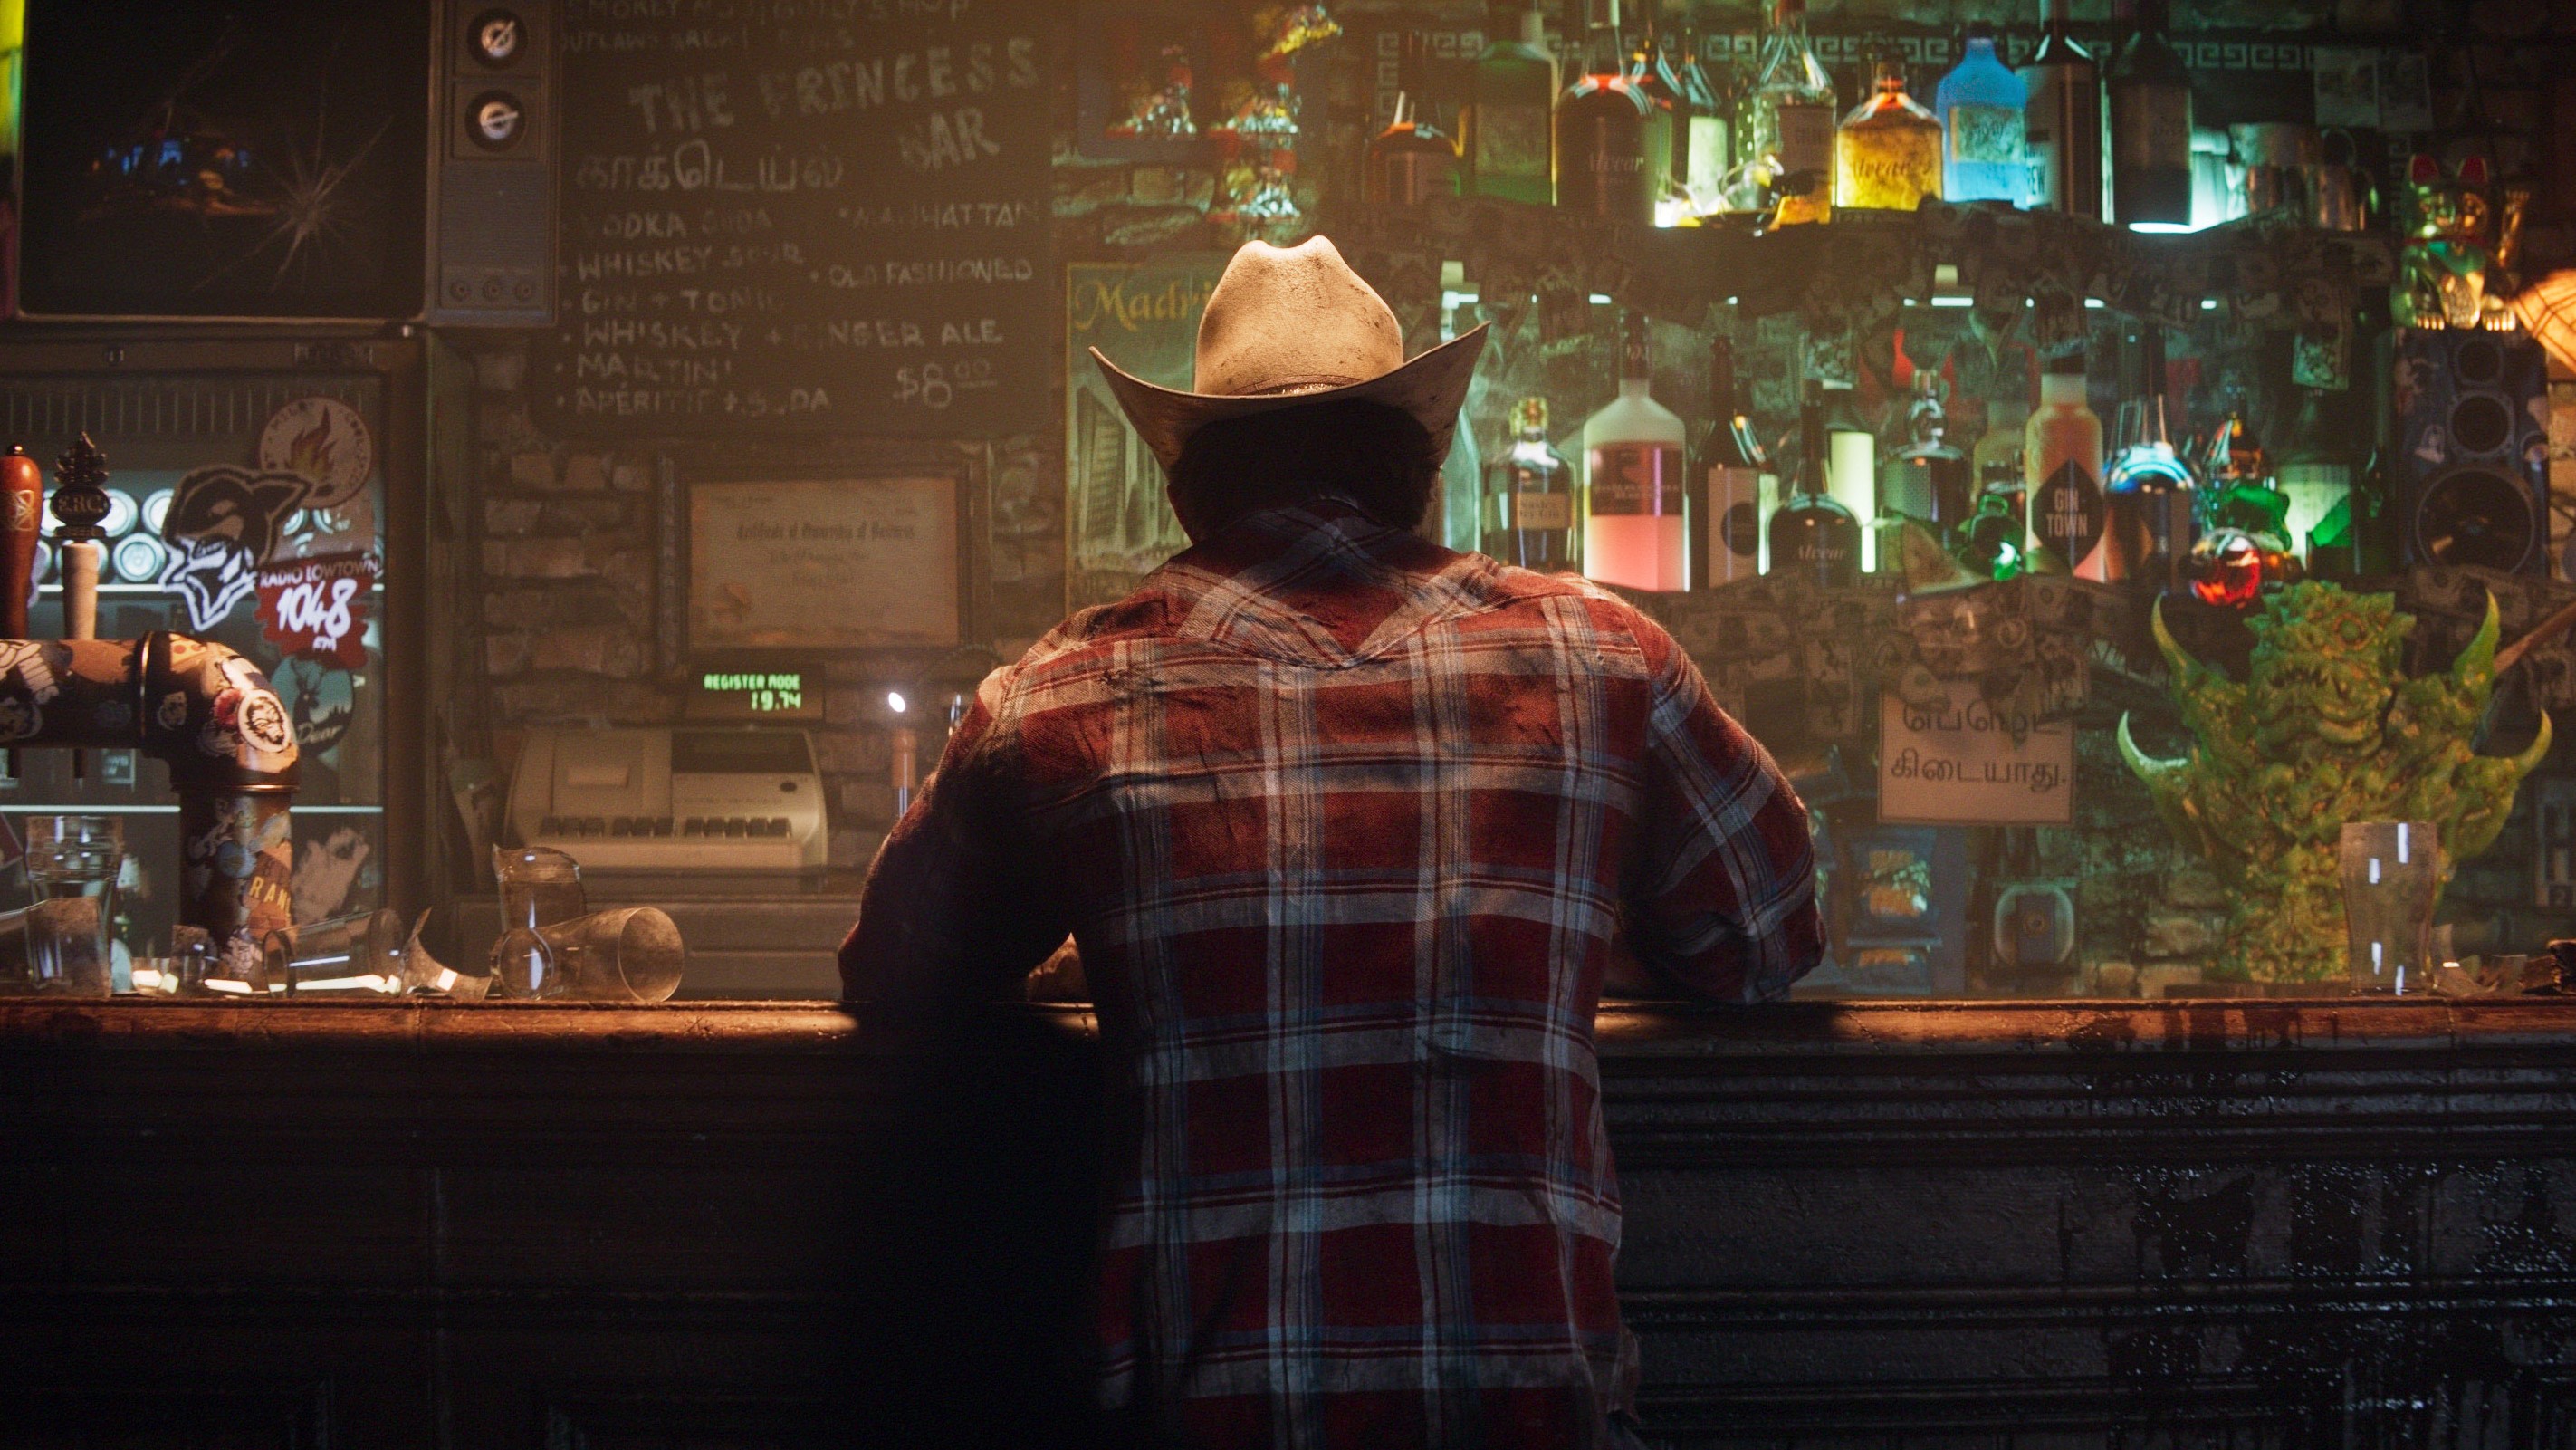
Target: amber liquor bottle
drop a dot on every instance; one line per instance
(1529, 498)
(1411, 161)
(1888, 155)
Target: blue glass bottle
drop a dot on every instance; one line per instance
(1980, 104)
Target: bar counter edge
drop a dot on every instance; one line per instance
(2254, 1223)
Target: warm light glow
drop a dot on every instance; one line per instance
(894, 701)
(2547, 310)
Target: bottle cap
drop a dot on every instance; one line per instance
(2067, 364)
(1980, 30)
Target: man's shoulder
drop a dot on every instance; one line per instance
(1606, 616)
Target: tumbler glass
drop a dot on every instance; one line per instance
(2392, 876)
(77, 856)
(633, 954)
(360, 955)
(539, 887)
(55, 949)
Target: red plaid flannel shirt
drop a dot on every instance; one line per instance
(1344, 826)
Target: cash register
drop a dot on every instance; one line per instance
(708, 804)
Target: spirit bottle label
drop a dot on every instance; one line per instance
(1542, 511)
(1806, 137)
(1511, 141)
(2068, 513)
(1635, 478)
(1991, 134)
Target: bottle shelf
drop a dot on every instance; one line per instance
(2270, 269)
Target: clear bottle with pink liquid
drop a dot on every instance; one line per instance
(1634, 530)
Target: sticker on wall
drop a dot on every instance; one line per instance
(328, 872)
(224, 521)
(317, 606)
(325, 441)
(321, 699)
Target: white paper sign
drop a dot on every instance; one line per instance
(1958, 764)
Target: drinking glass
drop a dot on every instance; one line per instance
(633, 954)
(2391, 877)
(55, 948)
(359, 955)
(77, 856)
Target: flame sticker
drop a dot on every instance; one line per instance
(327, 442)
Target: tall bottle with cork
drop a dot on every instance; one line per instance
(1738, 490)
(2062, 463)
(1785, 125)
(1506, 131)
(1634, 528)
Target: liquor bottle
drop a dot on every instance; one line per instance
(1653, 71)
(1981, 105)
(1993, 542)
(1785, 126)
(1926, 480)
(1704, 148)
(1851, 464)
(1529, 498)
(2150, 109)
(2351, 542)
(1812, 536)
(1411, 161)
(1888, 155)
(1603, 127)
(2062, 463)
(1738, 489)
(1507, 136)
(2150, 508)
(1633, 529)
(2062, 125)
(2316, 470)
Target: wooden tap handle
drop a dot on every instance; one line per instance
(22, 514)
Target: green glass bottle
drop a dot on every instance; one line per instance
(1507, 128)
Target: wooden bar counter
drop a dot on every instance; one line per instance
(2248, 1223)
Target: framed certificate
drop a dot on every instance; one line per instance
(825, 565)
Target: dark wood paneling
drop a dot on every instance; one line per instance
(2034, 1226)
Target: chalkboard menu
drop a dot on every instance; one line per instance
(802, 215)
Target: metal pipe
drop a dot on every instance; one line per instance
(209, 714)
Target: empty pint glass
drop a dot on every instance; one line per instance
(2392, 875)
(633, 954)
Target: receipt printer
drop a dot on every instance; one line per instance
(694, 801)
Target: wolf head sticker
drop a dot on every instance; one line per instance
(224, 520)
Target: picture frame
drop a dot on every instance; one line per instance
(808, 566)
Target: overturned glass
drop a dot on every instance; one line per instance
(365, 954)
(2392, 877)
(633, 954)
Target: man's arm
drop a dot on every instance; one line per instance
(1722, 896)
(954, 912)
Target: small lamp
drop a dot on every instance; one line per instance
(2547, 310)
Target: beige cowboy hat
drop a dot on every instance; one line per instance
(1288, 327)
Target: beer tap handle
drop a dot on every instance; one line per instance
(22, 487)
(80, 504)
(22, 484)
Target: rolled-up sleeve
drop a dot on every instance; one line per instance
(1722, 900)
(955, 910)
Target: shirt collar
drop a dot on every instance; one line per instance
(1317, 582)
